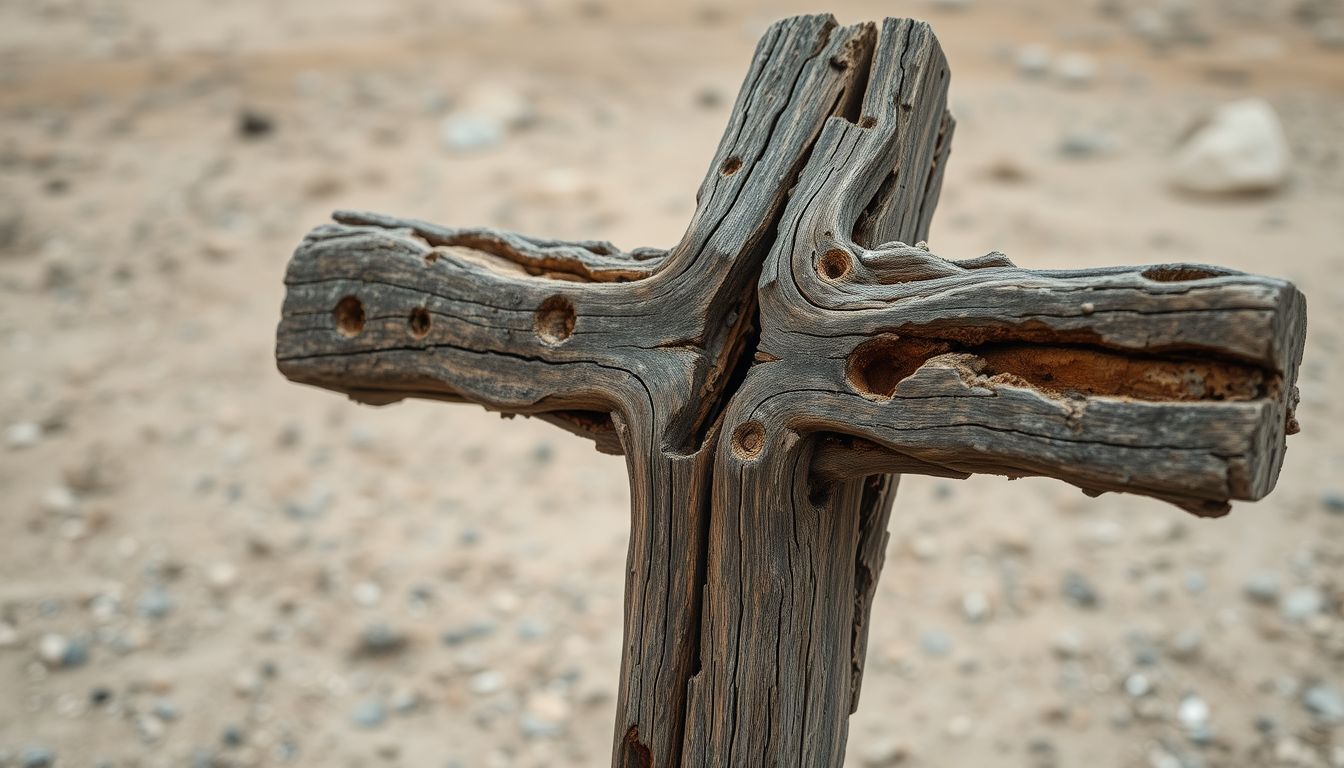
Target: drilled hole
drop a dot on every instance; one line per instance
(876, 366)
(554, 321)
(349, 316)
(1179, 273)
(748, 440)
(419, 322)
(731, 165)
(835, 264)
(868, 122)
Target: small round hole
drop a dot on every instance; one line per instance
(420, 322)
(554, 321)
(835, 264)
(748, 440)
(731, 165)
(867, 122)
(349, 316)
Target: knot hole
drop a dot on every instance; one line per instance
(835, 264)
(349, 316)
(419, 322)
(731, 165)
(554, 321)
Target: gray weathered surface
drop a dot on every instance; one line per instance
(767, 376)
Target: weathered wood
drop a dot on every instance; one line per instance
(768, 377)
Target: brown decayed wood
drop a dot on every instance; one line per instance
(768, 376)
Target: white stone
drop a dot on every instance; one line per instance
(975, 606)
(9, 635)
(1239, 148)
(487, 682)
(51, 648)
(1193, 712)
(1077, 69)
(1033, 60)
(60, 500)
(468, 132)
(23, 434)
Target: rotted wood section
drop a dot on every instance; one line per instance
(769, 376)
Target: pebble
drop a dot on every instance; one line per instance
(51, 649)
(379, 639)
(487, 682)
(1033, 60)
(37, 757)
(369, 713)
(531, 630)
(1325, 702)
(1081, 145)
(1078, 590)
(1192, 713)
(9, 636)
(935, 642)
(472, 631)
(155, 603)
(366, 593)
(254, 125)
(1187, 645)
(23, 434)
(1333, 501)
(1137, 685)
(885, 753)
(1240, 148)
(1069, 644)
(1301, 604)
(975, 606)
(166, 709)
(405, 701)
(233, 736)
(1194, 582)
(60, 500)
(1263, 587)
(467, 132)
(958, 728)
(1075, 69)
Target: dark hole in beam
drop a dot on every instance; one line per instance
(1180, 273)
(349, 316)
(637, 754)
(554, 321)
(419, 322)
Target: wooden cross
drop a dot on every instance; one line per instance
(769, 377)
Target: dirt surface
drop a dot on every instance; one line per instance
(202, 564)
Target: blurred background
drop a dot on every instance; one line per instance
(204, 565)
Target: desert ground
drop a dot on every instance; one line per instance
(202, 564)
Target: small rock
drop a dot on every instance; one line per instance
(531, 630)
(467, 132)
(221, 575)
(405, 701)
(958, 728)
(379, 639)
(1333, 501)
(60, 500)
(924, 547)
(1075, 69)
(1081, 145)
(885, 753)
(1263, 587)
(51, 649)
(472, 631)
(487, 682)
(935, 642)
(23, 434)
(1186, 646)
(366, 593)
(1194, 582)
(254, 125)
(1192, 713)
(37, 757)
(1325, 702)
(369, 713)
(975, 606)
(100, 696)
(155, 603)
(1069, 644)
(1240, 148)
(1137, 685)
(1033, 60)
(1078, 590)
(166, 709)
(9, 636)
(233, 736)
(1301, 604)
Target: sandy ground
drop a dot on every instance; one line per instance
(202, 564)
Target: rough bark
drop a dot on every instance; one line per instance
(767, 376)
